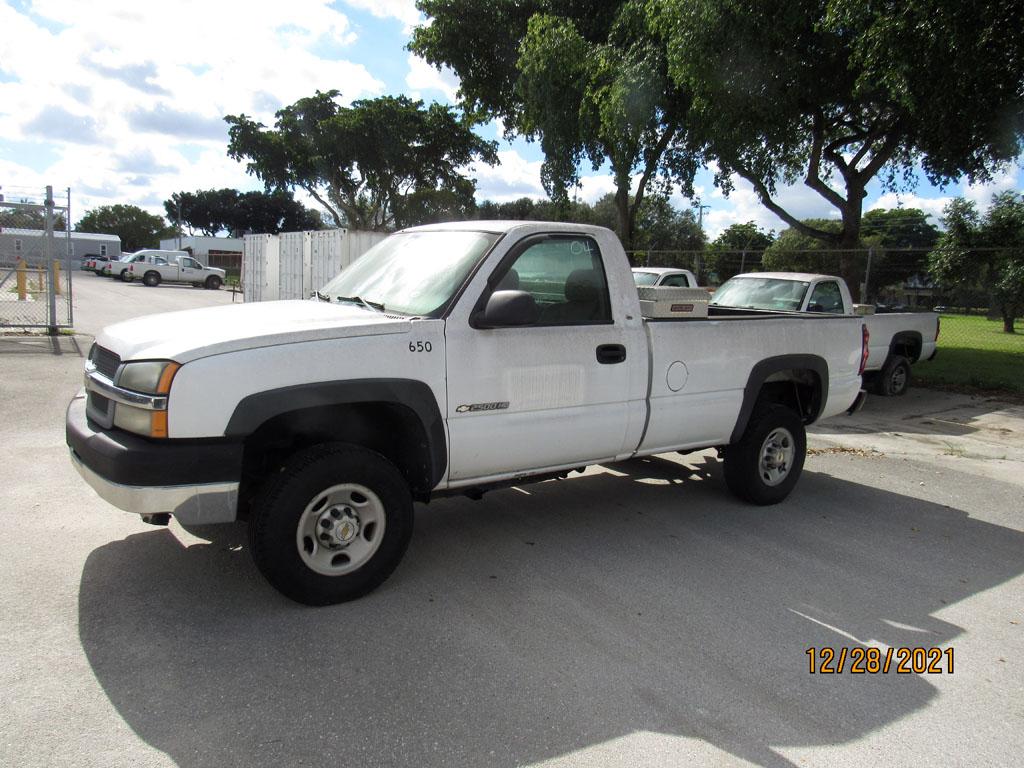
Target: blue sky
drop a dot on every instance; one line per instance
(122, 100)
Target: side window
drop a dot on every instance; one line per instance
(17, 246)
(676, 281)
(103, 250)
(566, 278)
(192, 263)
(160, 261)
(826, 298)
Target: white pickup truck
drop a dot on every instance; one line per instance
(897, 339)
(155, 267)
(668, 276)
(451, 358)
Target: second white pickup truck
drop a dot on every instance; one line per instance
(154, 267)
(451, 358)
(898, 339)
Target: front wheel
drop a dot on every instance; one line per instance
(764, 466)
(894, 378)
(213, 282)
(332, 525)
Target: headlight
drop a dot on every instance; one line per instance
(153, 378)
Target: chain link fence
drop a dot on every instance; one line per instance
(35, 261)
(975, 354)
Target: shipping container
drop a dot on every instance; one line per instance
(294, 264)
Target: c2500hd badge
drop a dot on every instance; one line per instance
(474, 407)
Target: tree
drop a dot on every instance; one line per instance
(380, 164)
(796, 251)
(737, 249)
(984, 252)
(840, 92)
(212, 211)
(588, 80)
(136, 228)
(900, 239)
(21, 219)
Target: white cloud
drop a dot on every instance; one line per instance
(1007, 179)
(403, 10)
(932, 206)
(423, 77)
(513, 178)
(107, 81)
(744, 205)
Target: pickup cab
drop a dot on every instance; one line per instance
(155, 267)
(450, 358)
(121, 268)
(898, 339)
(669, 276)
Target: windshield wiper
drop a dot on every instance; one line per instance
(375, 306)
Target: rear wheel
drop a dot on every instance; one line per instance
(894, 378)
(332, 524)
(213, 282)
(151, 279)
(764, 466)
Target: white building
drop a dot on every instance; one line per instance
(223, 252)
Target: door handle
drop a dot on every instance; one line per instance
(608, 354)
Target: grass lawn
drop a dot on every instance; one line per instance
(975, 354)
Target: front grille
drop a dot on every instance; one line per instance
(106, 362)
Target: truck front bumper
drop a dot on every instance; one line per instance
(196, 482)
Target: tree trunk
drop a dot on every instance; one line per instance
(1008, 315)
(625, 217)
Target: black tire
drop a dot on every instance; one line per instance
(894, 378)
(773, 482)
(287, 502)
(213, 283)
(152, 279)
(128, 277)
(123, 276)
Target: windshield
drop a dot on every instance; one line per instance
(761, 293)
(645, 278)
(412, 273)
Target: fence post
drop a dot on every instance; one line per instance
(51, 328)
(22, 280)
(867, 277)
(56, 277)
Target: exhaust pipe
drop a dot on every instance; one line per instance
(159, 518)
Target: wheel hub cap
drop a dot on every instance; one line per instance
(340, 529)
(777, 454)
(339, 525)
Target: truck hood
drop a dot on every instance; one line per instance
(195, 333)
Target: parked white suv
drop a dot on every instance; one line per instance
(173, 267)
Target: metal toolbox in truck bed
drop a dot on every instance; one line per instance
(660, 302)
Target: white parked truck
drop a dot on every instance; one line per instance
(668, 276)
(898, 339)
(452, 358)
(154, 267)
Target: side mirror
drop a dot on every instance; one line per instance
(508, 308)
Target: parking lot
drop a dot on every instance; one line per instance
(633, 615)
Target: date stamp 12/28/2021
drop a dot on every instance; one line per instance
(872, 661)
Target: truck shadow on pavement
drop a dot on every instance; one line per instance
(40, 345)
(545, 620)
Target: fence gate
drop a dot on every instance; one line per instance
(35, 260)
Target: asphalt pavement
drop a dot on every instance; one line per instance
(635, 615)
